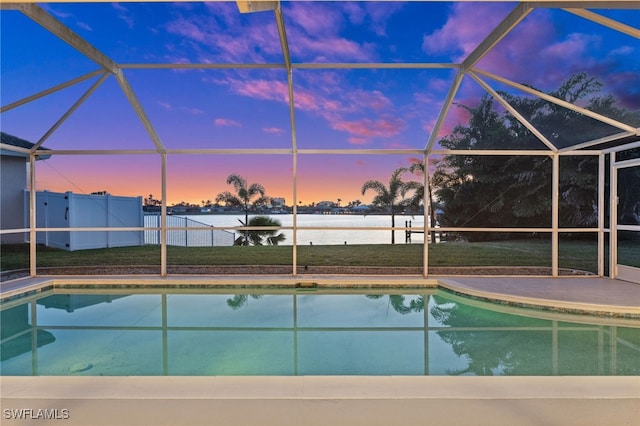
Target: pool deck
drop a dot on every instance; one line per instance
(344, 400)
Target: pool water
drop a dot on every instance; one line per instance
(181, 333)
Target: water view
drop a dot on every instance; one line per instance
(322, 237)
(206, 333)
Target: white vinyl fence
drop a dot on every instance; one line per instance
(69, 210)
(210, 237)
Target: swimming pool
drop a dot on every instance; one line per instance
(224, 332)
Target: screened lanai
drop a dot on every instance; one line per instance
(517, 124)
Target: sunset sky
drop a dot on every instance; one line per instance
(224, 108)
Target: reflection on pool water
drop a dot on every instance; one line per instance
(305, 333)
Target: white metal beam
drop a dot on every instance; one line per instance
(625, 147)
(613, 216)
(362, 151)
(63, 32)
(555, 214)
(48, 22)
(67, 114)
(282, 33)
(479, 152)
(9, 6)
(601, 214)
(163, 66)
(248, 6)
(163, 214)
(98, 152)
(507, 24)
(598, 141)
(300, 65)
(514, 112)
(377, 65)
(607, 22)
(32, 215)
(222, 151)
(444, 111)
(634, 162)
(557, 101)
(50, 91)
(137, 107)
(600, 4)
(286, 54)
(426, 202)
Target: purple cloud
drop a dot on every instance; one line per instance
(188, 29)
(123, 14)
(273, 130)
(379, 13)
(219, 36)
(193, 111)
(367, 128)
(272, 90)
(226, 122)
(321, 40)
(467, 25)
(536, 52)
(64, 16)
(363, 114)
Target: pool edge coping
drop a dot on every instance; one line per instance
(36, 285)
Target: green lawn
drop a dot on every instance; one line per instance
(573, 254)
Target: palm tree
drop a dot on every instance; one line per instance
(242, 197)
(386, 196)
(419, 196)
(397, 302)
(259, 237)
(240, 300)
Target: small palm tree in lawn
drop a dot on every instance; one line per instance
(243, 198)
(259, 237)
(390, 197)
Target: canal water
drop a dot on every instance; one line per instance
(328, 236)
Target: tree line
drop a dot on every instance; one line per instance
(515, 191)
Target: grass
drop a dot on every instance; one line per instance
(573, 254)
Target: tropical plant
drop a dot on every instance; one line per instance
(150, 201)
(505, 353)
(419, 195)
(261, 236)
(400, 304)
(390, 197)
(243, 197)
(491, 191)
(240, 300)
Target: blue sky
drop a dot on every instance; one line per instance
(335, 109)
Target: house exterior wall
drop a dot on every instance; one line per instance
(13, 180)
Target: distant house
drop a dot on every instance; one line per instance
(278, 203)
(14, 157)
(326, 205)
(360, 209)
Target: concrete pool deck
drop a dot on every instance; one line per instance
(325, 400)
(341, 400)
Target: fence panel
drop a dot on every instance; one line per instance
(212, 237)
